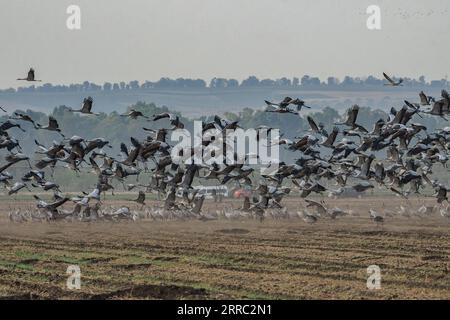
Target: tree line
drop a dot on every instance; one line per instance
(222, 83)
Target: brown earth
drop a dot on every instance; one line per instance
(246, 259)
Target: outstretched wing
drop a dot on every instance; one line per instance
(52, 123)
(332, 137)
(58, 203)
(312, 203)
(352, 114)
(361, 128)
(135, 142)
(31, 74)
(269, 104)
(161, 116)
(312, 124)
(124, 148)
(87, 105)
(423, 99)
(437, 108)
(287, 100)
(401, 194)
(388, 78)
(378, 126)
(141, 197)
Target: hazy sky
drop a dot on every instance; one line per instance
(148, 39)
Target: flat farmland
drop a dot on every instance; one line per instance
(229, 259)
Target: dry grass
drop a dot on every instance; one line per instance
(229, 259)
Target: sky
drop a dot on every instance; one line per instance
(149, 39)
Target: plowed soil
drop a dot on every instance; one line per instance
(241, 259)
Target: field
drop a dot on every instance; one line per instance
(280, 259)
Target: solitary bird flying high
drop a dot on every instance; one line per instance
(30, 76)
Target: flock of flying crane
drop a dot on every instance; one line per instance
(350, 163)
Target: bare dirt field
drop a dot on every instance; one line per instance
(243, 259)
